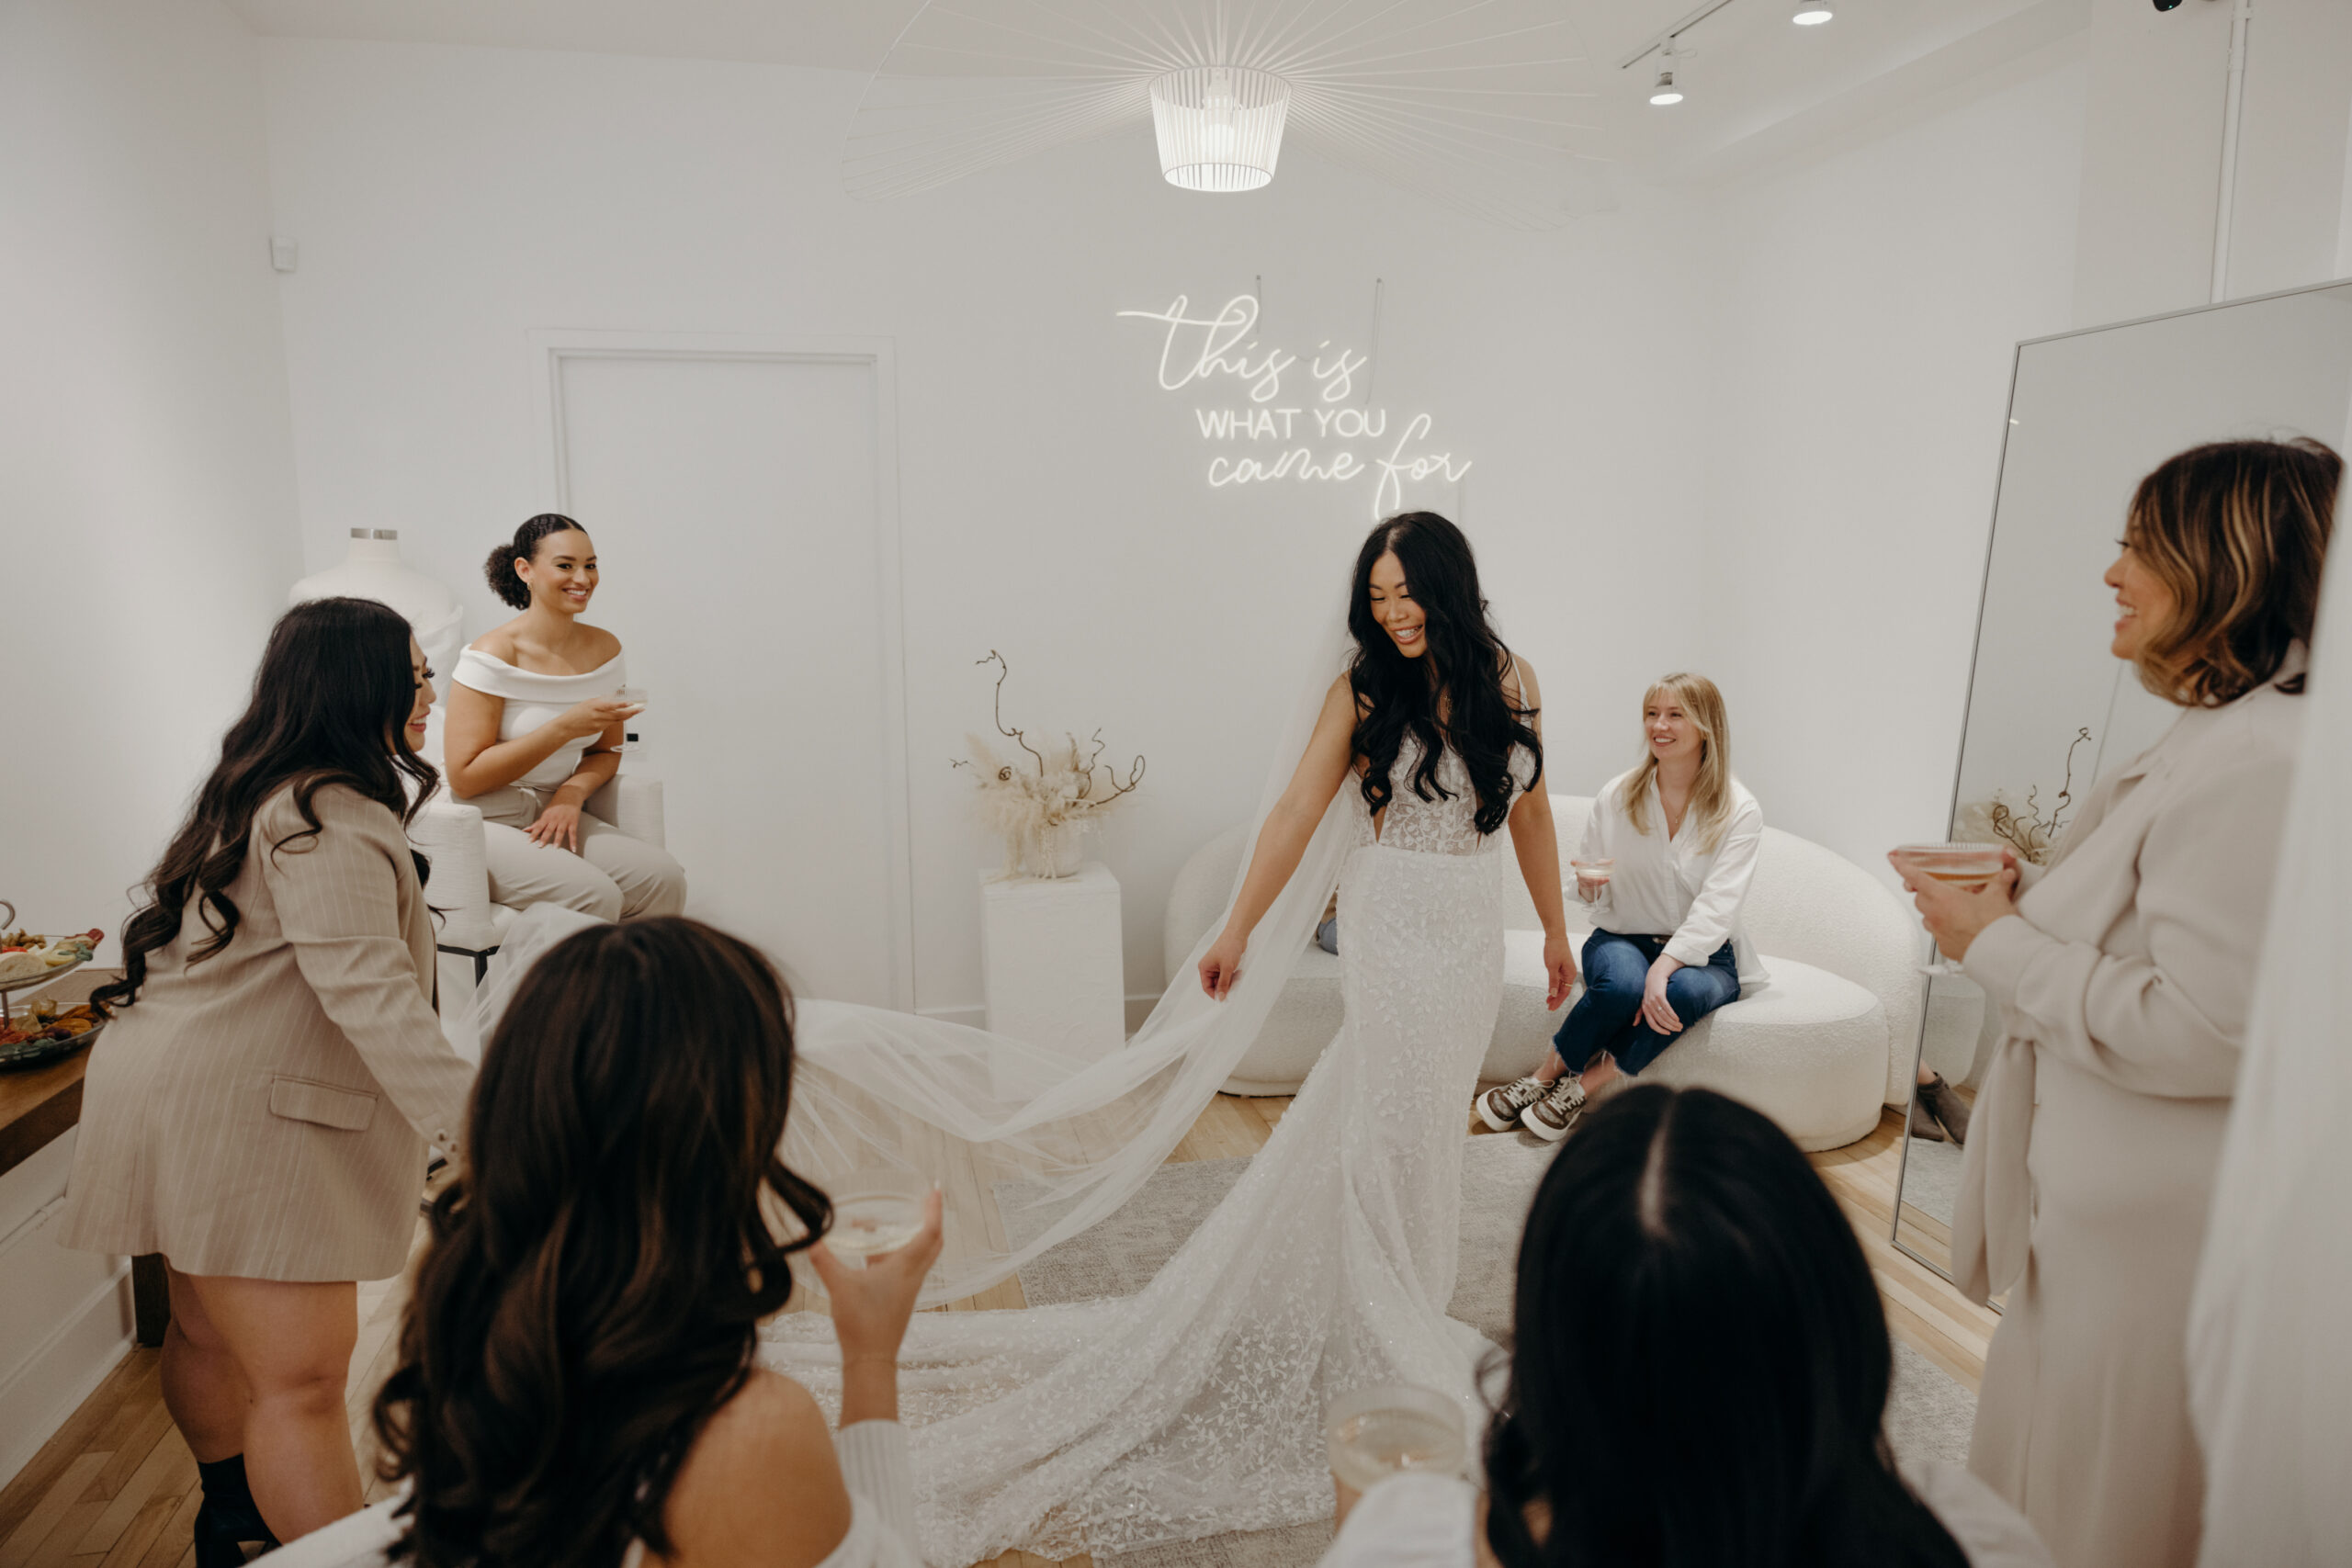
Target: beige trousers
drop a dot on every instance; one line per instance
(613, 876)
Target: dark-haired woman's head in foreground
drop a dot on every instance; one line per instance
(1702, 1362)
(597, 1276)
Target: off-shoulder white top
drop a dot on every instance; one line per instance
(532, 699)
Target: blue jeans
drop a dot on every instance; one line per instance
(1607, 1017)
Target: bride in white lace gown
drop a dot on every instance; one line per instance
(1195, 1407)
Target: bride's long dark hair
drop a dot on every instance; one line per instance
(1464, 665)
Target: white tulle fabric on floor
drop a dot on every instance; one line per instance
(2270, 1387)
(1195, 1407)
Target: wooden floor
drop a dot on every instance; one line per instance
(116, 1487)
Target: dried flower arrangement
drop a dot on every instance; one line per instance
(2026, 829)
(1040, 815)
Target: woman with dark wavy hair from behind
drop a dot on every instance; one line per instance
(277, 991)
(1699, 1378)
(575, 1386)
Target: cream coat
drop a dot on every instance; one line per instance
(2125, 982)
(234, 1118)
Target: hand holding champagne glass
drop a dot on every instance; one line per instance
(875, 1211)
(1592, 875)
(1384, 1430)
(1971, 868)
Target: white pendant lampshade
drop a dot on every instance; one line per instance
(1220, 127)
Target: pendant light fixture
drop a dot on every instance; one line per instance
(1486, 105)
(1219, 126)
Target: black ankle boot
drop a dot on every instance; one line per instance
(228, 1520)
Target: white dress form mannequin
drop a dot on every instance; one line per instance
(371, 568)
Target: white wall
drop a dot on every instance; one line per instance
(146, 494)
(450, 200)
(146, 523)
(1868, 310)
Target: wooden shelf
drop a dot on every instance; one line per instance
(38, 1104)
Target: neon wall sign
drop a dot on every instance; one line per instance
(1265, 439)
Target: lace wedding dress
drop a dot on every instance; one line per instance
(1197, 1407)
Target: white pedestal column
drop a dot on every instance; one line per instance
(1051, 964)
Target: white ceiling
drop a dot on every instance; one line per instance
(1758, 87)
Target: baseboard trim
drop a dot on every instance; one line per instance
(85, 1334)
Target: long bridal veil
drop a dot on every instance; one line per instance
(1019, 1133)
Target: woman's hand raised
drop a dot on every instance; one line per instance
(1953, 914)
(595, 716)
(871, 1306)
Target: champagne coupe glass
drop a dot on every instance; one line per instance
(635, 698)
(876, 1211)
(1592, 875)
(1970, 867)
(1390, 1428)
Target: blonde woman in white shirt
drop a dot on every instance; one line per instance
(1666, 948)
(534, 729)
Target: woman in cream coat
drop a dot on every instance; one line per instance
(2124, 974)
(260, 1110)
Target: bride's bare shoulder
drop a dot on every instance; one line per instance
(761, 1483)
(1519, 680)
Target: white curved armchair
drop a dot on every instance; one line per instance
(449, 834)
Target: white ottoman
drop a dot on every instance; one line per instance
(1818, 1049)
(1805, 1050)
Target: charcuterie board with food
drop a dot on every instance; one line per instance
(45, 1030)
(45, 1027)
(27, 960)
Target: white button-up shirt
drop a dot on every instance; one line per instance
(1676, 887)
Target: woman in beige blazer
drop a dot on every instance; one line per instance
(259, 1111)
(2124, 974)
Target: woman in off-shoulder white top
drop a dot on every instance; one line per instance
(535, 724)
(1699, 1374)
(575, 1380)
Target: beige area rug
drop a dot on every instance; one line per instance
(1927, 1418)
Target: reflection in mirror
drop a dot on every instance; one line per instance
(2048, 710)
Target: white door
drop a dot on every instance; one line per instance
(734, 508)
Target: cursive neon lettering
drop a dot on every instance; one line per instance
(1200, 349)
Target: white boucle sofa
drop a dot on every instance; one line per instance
(1818, 1049)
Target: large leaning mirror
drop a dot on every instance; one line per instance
(2048, 710)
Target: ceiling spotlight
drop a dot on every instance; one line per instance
(1813, 13)
(1665, 92)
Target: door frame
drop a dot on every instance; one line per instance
(551, 348)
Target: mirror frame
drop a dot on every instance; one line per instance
(1959, 756)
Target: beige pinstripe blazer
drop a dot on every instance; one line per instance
(234, 1118)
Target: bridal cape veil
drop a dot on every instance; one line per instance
(971, 1111)
(1194, 1408)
